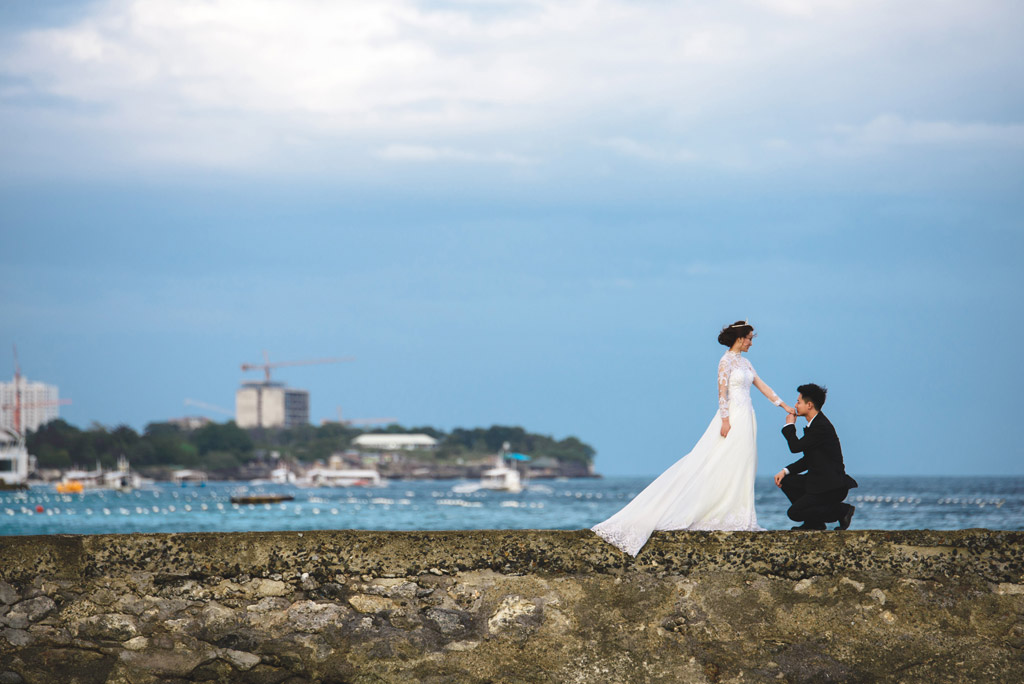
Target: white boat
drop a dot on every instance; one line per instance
(185, 476)
(278, 476)
(121, 479)
(502, 478)
(14, 459)
(341, 477)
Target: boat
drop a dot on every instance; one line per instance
(278, 476)
(262, 499)
(341, 477)
(14, 460)
(502, 477)
(185, 476)
(122, 479)
(69, 487)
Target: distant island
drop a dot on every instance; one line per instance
(226, 452)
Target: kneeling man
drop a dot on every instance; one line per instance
(817, 496)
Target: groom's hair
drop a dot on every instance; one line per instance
(814, 394)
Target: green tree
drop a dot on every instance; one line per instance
(226, 437)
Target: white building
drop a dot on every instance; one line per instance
(390, 442)
(270, 405)
(39, 404)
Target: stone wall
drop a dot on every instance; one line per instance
(513, 606)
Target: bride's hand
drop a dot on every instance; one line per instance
(788, 408)
(725, 427)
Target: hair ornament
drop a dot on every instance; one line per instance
(742, 324)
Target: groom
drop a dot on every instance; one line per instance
(817, 497)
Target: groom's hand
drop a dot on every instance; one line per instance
(790, 418)
(778, 477)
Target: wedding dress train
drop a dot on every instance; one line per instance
(712, 487)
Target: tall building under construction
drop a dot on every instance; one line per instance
(270, 405)
(38, 404)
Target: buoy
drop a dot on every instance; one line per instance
(39, 509)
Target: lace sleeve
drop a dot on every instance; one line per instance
(724, 368)
(765, 389)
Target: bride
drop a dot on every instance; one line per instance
(712, 487)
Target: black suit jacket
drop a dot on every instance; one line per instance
(822, 456)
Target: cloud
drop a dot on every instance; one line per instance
(272, 85)
(891, 130)
(427, 153)
(633, 148)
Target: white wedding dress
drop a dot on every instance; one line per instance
(712, 487)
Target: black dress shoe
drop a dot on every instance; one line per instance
(809, 528)
(844, 522)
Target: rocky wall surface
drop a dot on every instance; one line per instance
(513, 606)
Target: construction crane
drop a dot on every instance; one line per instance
(18, 404)
(209, 407)
(267, 365)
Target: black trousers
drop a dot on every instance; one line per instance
(813, 509)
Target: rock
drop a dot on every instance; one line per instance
(15, 620)
(268, 605)
(103, 597)
(396, 588)
(240, 660)
(269, 587)
(138, 643)
(108, 627)
(8, 594)
(177, 662)
(511, 608)
(804, 586)
(859, 586)
(308, 616)
(33, 609)
(130, 604)
(1007, 589)
(11, 678)
(18, 637)
(878, 595)
(370, 604)
(448, 621)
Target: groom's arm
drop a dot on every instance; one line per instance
(812, 438)
(789, 432)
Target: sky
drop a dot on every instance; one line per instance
(530, 213)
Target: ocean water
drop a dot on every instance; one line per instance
(884, 503)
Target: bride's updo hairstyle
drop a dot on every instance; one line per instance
(731, 333)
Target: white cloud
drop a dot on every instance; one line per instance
(890, 130)
(260, 83)
(634, 148)
(427, 153)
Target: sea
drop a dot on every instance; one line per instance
(883, 503)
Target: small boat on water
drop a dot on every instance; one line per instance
(280, 475)
(122, 479)
(14, 460)
(337, 477)
(503, 477)
(262, 499)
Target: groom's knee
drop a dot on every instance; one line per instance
(795, 514)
